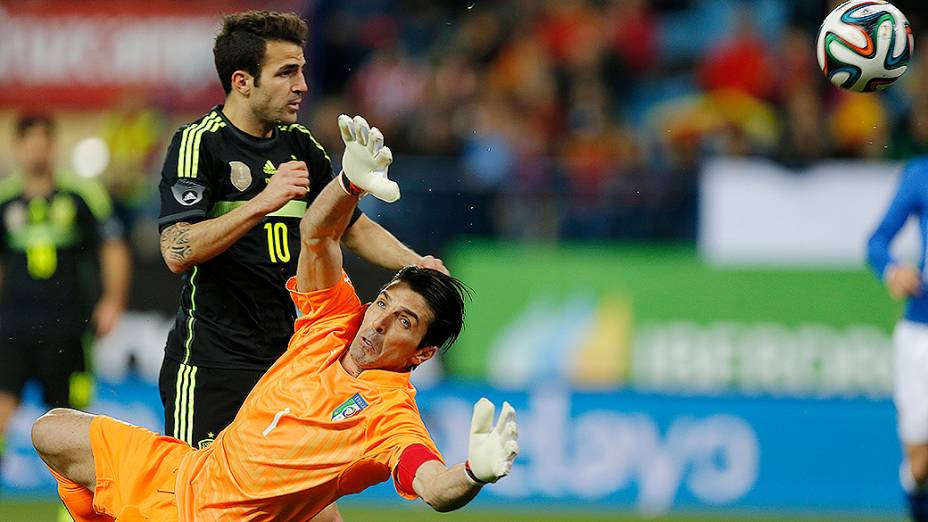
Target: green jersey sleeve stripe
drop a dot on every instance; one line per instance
(294, 209)
(184, 147)
(189, 153)
(213, 127)
(194, 149)
(181, 151)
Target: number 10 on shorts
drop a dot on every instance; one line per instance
(278, 248)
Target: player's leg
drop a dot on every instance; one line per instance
(917, 457)
(64, 374)
(914, 477)
(8, 404)
(200, 402)
(167, 384)
(329, 514)
(64, 370)
(124, 472)
(62, 439)
(18, 365)
(910, 394)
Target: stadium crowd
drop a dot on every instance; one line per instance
(592, 117)
(565, 119)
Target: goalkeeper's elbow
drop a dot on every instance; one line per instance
(445, 505)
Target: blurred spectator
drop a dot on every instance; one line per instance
(631, 27)
(133, 134)
(388, 86)
(592, 154)
(65, 274)
(910, 137)
(805, 134)
(860, 125)
(741, 62)
(796, 64)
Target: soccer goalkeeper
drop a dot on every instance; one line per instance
(334, 415)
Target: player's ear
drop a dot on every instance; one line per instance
(242, 82)
(423, 354)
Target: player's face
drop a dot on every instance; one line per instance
(34, 149)
(391, 331)
(282, 86)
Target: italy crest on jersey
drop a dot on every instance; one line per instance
(349, 408)
(239, 175)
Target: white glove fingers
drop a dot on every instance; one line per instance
(482, 421)
(346, 127)
(511, 430)
(362, 130)
(375, 141)
(511, 449)
(507, 415)
(384, 158)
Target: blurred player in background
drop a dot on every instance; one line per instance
(234, 187)
(333, 416)
(64, 264)
(910, 339)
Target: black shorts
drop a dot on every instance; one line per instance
(200, 402)
(56, 357)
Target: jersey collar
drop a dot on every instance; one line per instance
(243, 137)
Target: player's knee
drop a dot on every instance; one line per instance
(48, 431)
(919, 469)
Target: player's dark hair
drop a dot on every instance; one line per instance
(444, 295)
(242, 42)
(27, 121)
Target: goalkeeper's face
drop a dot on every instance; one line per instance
(277, 93)
(391, 331)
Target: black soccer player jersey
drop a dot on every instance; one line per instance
(50, 252)
(235, 311)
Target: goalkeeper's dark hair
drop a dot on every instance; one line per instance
(444, 295)
(242, 42)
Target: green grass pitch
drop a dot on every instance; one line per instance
(15, 510)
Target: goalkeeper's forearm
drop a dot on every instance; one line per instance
(444, 489)
(328, 216)
(320, 263)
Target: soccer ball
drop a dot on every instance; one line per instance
(864, 45)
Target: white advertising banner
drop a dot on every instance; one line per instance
(756, 212)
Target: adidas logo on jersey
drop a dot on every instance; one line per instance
(269, 168)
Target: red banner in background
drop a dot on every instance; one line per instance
(89, 54)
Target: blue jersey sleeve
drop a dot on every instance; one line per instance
(905, 202)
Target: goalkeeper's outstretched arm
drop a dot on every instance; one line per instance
(491, 451)
(366, 160)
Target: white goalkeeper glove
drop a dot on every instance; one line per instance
(491, 449)
(366, 160)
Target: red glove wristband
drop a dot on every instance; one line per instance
(348, 186)
(473, 478)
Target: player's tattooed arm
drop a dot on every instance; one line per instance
(175, 244)
(184, 245)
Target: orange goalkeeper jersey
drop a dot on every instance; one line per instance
(309, 432)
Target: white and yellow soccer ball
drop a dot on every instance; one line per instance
(864, 45)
